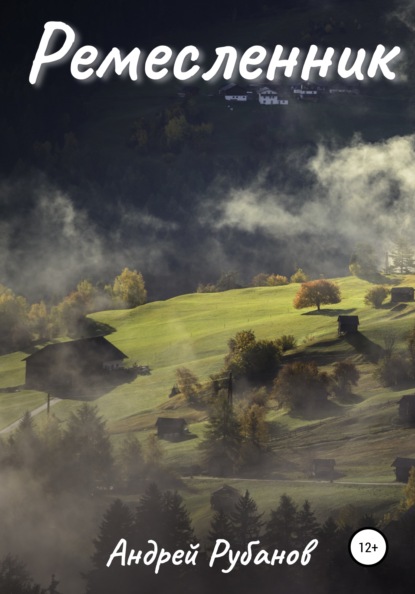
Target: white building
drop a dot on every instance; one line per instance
(267, 96)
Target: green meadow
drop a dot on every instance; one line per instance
(363, 435)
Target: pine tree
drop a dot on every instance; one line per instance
(282, 527)
(328, 535)
(409, 491)
(178, 531)
(148, 516)
(307, 524)
(220, 527)
(117, 523)
(15, 579)
(222, 438)
(24, 444)
(246, 521)
(88, 449)
(131, 461)
(403, 256)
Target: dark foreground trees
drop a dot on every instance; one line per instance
(160, 517)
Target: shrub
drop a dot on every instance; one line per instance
(301, 386)
(260, 280)
(257, 361)
(392, 371)
(345, 376)
(277, 280)
(299, 276)
(286, 342)
(376, 296)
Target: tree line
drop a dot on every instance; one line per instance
(21, 322)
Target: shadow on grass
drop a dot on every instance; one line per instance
(364, 346)
(88, 389)
(313, 413)
(329, 312)
(12, 389)
(324, 352)
(349, 398)
(94, 328)
(179, 438)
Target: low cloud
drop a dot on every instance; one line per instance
(360, 193)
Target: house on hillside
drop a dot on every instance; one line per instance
(172, 429)
(224, 499)
(68, 364)
(236, 93)
(402, 294)
(323, 468)
(402, 468)
(407, 409)
(347, 325)
(267, 96)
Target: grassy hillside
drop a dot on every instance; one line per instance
(192, 330)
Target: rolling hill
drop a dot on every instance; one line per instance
(363, 435)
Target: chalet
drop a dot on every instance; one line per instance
(173, 429)
(407, 409)
(267, 96)
(224, 499)
(236, 93)
(323, 467)
(305, 89)
(343, 90)
(402, 294)
(347, 325)
(402, 468)
(66, 364)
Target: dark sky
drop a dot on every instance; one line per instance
(77, 200)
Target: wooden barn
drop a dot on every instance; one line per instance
(402, 294)
(323, 467)
(347, 325)
(67, 364)
(173, 429)
(407, 408)
(224, 499)
(402, 468)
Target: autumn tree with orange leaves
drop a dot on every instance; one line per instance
(318, 292)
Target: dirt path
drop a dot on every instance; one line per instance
(33, 413)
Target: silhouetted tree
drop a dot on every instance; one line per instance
(131, 461)
(222, 438)
(176, 522)
(87, 446)
(281, 530)
(117, 523)
(307, 525)
(15, 578)
(220, 527)
(246, 521)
